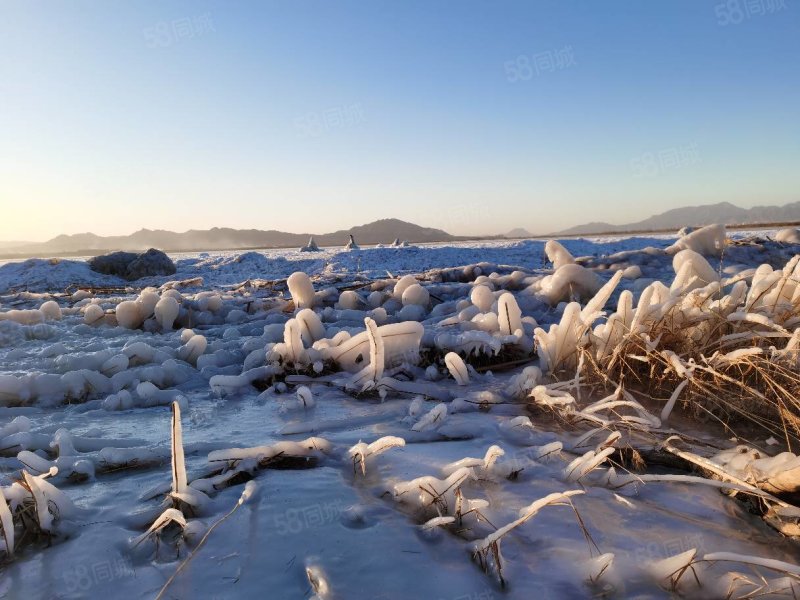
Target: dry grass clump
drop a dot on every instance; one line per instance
(732, 374)
(722, 350)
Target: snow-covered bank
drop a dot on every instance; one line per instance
(227, 268)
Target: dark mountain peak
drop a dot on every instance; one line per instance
(518, 232)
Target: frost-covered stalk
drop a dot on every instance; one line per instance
(43, 515)
(672, 569)
(178, 463)
(311, 327)
(435, 522)
(483, 466)
(377, 355)
(425, 492)
(7, 522)
(595, 568)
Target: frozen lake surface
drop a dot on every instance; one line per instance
(92, 397)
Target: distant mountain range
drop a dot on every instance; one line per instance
(384, 231)
(693, 216)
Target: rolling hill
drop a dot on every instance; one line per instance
(674, 219)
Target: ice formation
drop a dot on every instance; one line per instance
(570, 281)
(301, 289)
(708, 241)
(788, 236)
(455, 364)
(351, 244)
(779, 474)
(166, 311)
(557, 254)
(311, 246)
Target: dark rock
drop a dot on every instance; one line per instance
(115, 263)
(130, 265)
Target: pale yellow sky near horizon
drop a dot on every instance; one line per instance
(26, 225)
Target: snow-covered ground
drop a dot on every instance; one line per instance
(321, 527)
(229, 267)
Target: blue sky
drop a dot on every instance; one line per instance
(475, 117)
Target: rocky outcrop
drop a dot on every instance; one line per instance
(131, 266)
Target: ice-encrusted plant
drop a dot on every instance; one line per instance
(372, 373)
(687, 570)
(722, 348)
(430, 492)
(249, 491)
(487, 551)
(483, 468)
(581, 466)
(32, 509)
(361, 451)
(182, 501)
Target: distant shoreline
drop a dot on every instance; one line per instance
(735, 227)
(98, 251)
(87, 252)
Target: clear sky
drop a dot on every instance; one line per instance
(474, 117)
